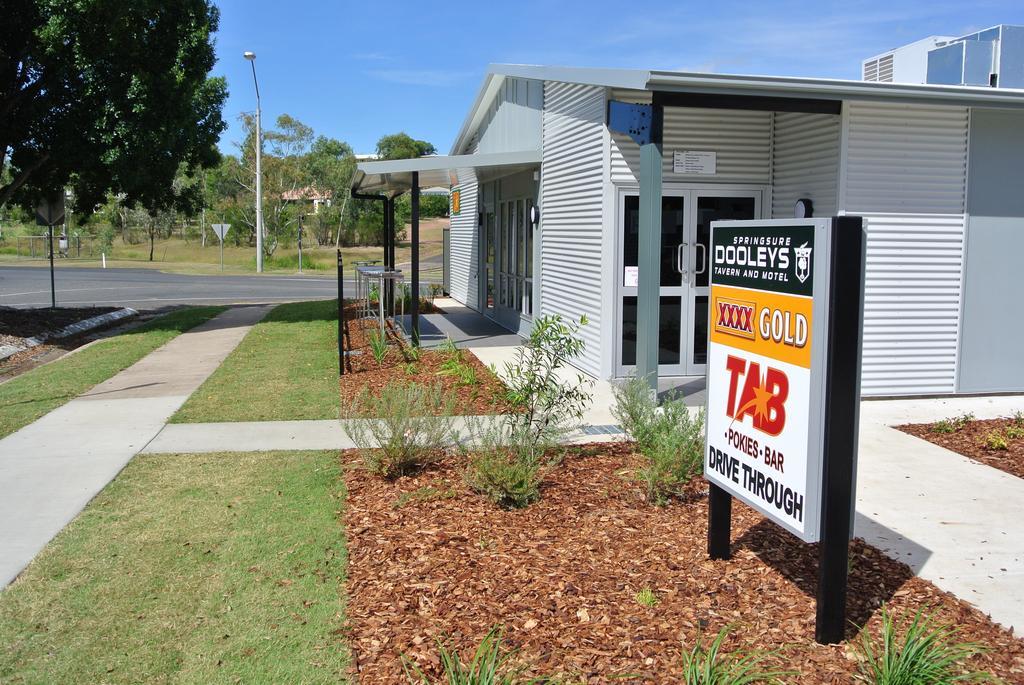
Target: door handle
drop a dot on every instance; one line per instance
(703, 259)
(679, 260)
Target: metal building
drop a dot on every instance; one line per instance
(992, 57)
(556, 172)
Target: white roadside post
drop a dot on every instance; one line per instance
(251, 56)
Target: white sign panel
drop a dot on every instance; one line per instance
(766, 356)
(221, 230)
(631, 277)
(699, 162)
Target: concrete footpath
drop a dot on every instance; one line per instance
(50, 469)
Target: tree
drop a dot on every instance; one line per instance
(106, 95)
(403, 146)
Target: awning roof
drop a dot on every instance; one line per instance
(394, 177)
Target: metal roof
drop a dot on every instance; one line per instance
(730, 84)
(394, 177)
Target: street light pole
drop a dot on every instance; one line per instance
(251, 57)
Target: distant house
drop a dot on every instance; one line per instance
(308, 194)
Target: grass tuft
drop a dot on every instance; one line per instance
(927, 655)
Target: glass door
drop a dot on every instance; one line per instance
(707, 206)
(490, 262)
(672, 288)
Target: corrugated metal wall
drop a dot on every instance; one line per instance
(905, 171)
(805, 162)
(512, 121)
(464, 242)
(741, 139)
(571, 209)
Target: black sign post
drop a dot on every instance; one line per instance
(49, 212)
(842, 412)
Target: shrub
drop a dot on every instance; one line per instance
(995, 440)
(378, 346)
(1014, 432)
(953, 424)
(545, 407)
(502, 466)
(491, 665)
(710, 666)
(402, 429)
(669, 437)
(926, 655)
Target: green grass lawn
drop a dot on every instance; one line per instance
(201, 568)
(286, 368)
(27, 397)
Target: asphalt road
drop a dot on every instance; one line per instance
(150, 289)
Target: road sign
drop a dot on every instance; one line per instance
(221, 230)
(50, 211)
(783, 385)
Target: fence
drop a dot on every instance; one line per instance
(71, 247)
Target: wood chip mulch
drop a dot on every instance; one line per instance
(562, 576)
(971, 441)
(486, 396)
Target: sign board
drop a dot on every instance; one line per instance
(700, 162)
(221, 230)
(456, 202)
(50, 211)
(783, 387)
(765, 359)
(631, 276)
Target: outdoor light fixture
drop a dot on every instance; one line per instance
(480, 219)
(804, 209)
(534, 215)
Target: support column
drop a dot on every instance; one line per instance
(414, 239)
(649, 258)
(389, 253)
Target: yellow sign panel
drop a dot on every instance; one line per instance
(456, 201)
(775, 325)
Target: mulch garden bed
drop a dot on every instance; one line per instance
(428, 559)
(17, 324)
(485, 396)
(972, 439)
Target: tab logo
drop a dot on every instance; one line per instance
(761, 396)
(734, 317)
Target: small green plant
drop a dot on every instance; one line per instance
(448, 348)
(502, 466)
(995, 440)
(1014, 432)
(953, 424)
(410, 369)
(927, 654)
(647, 598)
(491, 664)
(546, 404)
(427, 493)
(378, 346)
(669, 437)
(711, 666)
(1018, 418)
(403, 428)
(412, 353)
(456, 367)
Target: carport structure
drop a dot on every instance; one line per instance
(385, 181)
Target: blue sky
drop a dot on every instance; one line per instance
(358, 70)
